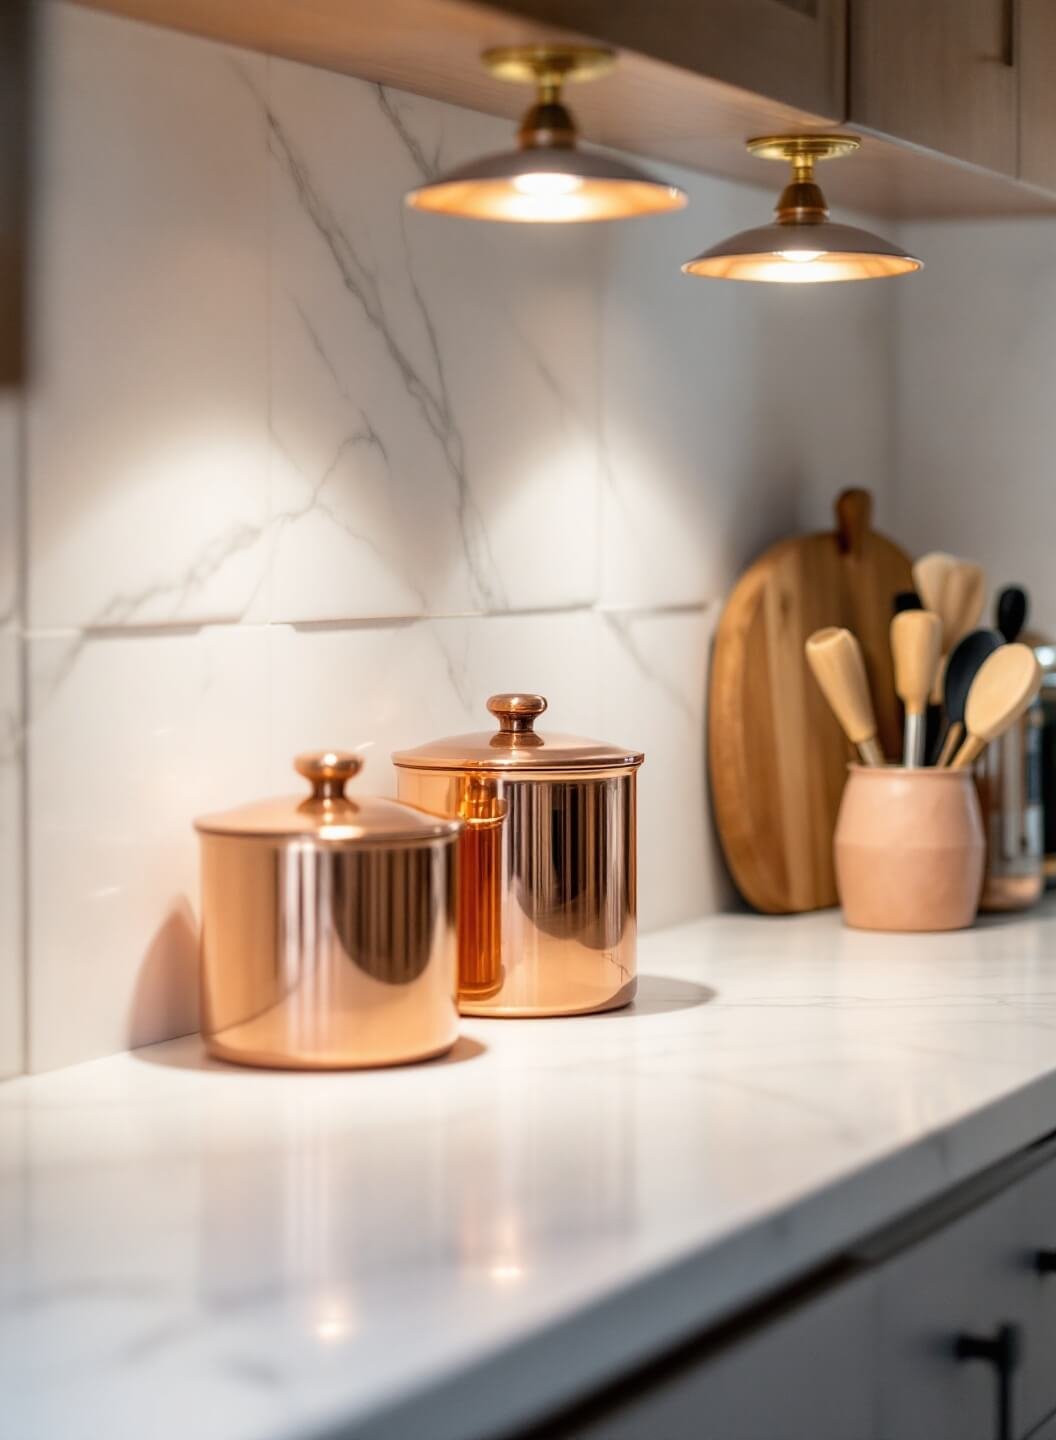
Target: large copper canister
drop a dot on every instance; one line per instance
(328, 928)
(547, 866)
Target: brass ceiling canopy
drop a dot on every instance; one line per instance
(802, 245)
(547, 178)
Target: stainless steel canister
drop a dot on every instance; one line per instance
(328, 928)
(1009, 779)
(1047, 660)
(547, 862)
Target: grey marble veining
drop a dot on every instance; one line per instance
(415, 322)
(429, 1250)
(305, 467)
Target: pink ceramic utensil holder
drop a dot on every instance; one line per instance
(909, 849)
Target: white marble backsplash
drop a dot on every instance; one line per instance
(974, 378)
(305, 468)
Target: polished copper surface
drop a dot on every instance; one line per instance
(548, 864)
(328, 929)
(516, 745)
(328, 814)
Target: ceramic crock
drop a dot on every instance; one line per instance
(909, 848)
(547, 864)
(328, 928)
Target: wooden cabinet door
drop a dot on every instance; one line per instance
(793, 51)
(939, 73)
(1036, 60)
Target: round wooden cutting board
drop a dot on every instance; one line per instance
(776, 756)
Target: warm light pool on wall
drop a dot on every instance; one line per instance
(548, 178)
(802, 245)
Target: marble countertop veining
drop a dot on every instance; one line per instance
(192, 1249)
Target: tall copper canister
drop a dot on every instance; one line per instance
(328, 928)
(547, 897)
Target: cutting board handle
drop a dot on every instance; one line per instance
(854, 518)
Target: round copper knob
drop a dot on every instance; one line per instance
(329, 771)
(516, 713)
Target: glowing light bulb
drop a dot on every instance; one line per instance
(506, 1271)
(546, 183)
(800, 257)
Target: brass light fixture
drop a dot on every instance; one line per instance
(548, 178)
(802, 245)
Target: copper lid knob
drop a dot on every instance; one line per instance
(328, 771)
(516, 713)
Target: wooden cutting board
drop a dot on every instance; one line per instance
(776, 756)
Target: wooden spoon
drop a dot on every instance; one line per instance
(963, 598)
(962, 666)
(1006, 684)
(959, 593)
(835, 657)
(929, 578)
(916, 647)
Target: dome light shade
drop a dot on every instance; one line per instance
(549, 184)
(548, 178)
(802, 246)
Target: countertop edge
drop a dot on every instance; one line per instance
(669, 1306)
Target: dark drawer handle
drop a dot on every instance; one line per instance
(1045, 1262)
(1003, 1351)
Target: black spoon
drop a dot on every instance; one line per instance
(1011, 611)
(962, 665)
(906, 600)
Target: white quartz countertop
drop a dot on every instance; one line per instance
(195, 1250)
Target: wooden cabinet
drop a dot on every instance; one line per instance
(792, 51)
(1035, 46)
(697, 77)
(939, 73)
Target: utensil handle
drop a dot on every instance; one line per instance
(913, 741)
(949, 745)
(869, 750)
(969, 752)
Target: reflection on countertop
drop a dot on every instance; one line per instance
(263, 1255)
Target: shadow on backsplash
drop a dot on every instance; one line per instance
(165, 997)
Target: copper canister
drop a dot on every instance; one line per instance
(548, 868)
(328, 928)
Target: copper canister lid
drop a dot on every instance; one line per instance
(328, 815)
(516, 745)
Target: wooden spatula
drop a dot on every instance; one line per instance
(835, 657)
(929, 578)
(963, 598)
(1006, 684)
(955, 590)
(916, 647)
